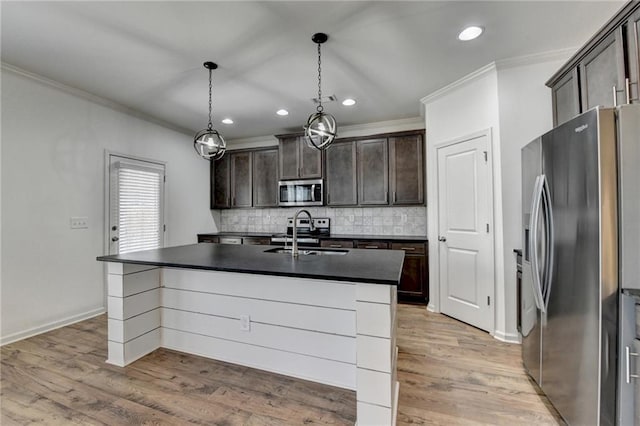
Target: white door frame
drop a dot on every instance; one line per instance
(433, 219)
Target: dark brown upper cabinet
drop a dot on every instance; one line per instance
(297, 159)
(600, 71)
(220, 184)
(341, 174)
(241, 171)
(406, 169)
(265, 178)
(373, 171)
(633, 55)
(566, 97)
(604, 72)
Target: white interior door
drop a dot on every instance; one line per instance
(136, 204)
(465, 232)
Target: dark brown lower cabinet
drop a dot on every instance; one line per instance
(256, 241)
(337, 243)
(208, 239)
(414, 283)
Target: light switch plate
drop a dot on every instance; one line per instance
(79, 222)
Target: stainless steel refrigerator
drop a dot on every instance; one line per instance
(570, 292)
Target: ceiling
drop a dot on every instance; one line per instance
(387, 55)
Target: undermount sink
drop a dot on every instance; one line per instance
(308, 252)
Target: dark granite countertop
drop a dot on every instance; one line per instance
(368, 266)
(416, 238)
(237, 234)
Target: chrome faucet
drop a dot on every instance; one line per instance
(294, 248)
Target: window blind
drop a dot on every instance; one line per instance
(140, 208)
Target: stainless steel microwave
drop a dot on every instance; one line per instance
(300, 192)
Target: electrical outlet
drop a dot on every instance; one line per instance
(80, 222)
(245, 323)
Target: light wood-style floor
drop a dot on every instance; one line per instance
(449, 374)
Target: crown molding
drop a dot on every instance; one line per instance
(253, 142)
(536, 58)
(467, 79)
(402, 124)
(518, 61)
(94, 98)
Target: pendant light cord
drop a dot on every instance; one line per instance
(320, 108)
(210, 125)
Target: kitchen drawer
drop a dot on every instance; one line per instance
(207, 239)
(372, 245)
(230, 240)
(256, 241)
(337, 243)
(413, 248)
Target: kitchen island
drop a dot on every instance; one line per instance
(328, 318)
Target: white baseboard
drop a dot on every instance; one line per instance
(14, 337)
(506, 337)
(432, 308)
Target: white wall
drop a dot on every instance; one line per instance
(464, 108)
(509, 97)
(525, 113)
(53, 150)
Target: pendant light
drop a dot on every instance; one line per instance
(208, 143)
(321, 127)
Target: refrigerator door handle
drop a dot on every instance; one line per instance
(533, 243)
(549, 240)
(627, 358)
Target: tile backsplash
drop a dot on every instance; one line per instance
(347, 220)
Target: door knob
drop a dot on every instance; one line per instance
(114, 239)
(443, 239)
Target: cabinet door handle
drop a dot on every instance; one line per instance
(371, 247)
(335, 245)
(627, 356)
(627, 90)
(615, 91)
(408, 248)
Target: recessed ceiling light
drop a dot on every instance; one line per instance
(282, 112)
(470, 33)
(349, 102)
(227, 121)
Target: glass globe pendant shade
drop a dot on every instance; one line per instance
(320, 130)
(209, 144)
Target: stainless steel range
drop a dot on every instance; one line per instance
(308, 232)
